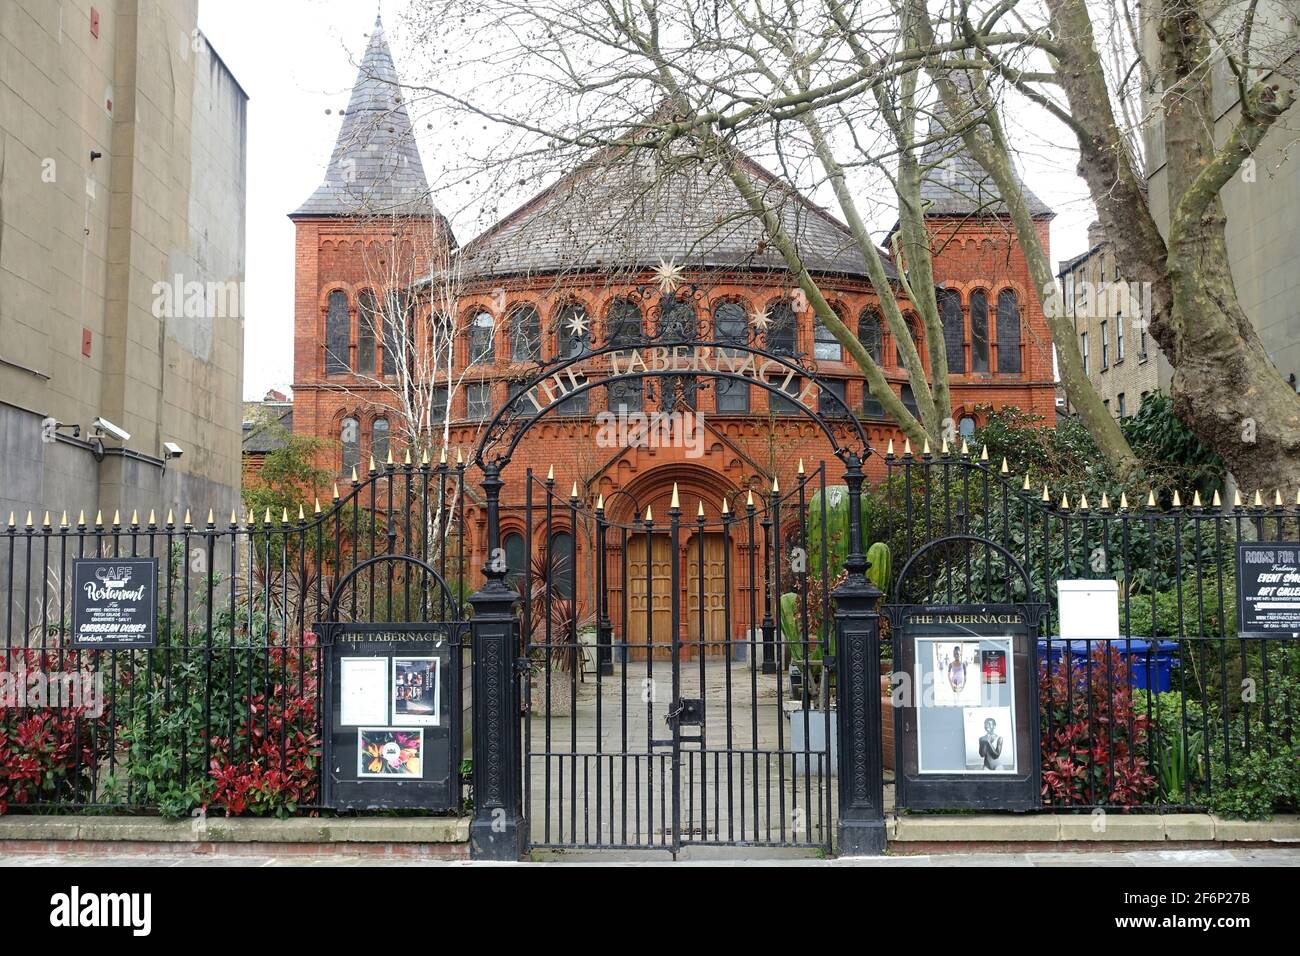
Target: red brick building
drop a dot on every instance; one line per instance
(577, 267)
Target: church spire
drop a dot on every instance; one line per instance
(375, 168)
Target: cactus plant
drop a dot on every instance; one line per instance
(881, 565)
(830, 509)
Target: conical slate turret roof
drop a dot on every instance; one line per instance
(953, 183)
(375, 169)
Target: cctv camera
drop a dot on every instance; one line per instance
(104, 426)
(172, 449)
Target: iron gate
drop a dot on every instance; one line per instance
(660, 709)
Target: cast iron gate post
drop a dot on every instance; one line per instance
(861, 829)
(497, 830)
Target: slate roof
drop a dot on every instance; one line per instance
(260, 431)
(375, 168)
(953, 183)
(628, 209)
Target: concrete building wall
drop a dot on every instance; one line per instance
(1262, 202)
(86, 245)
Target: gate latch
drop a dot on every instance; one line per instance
(687, 712)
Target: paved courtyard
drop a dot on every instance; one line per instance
(604, 776)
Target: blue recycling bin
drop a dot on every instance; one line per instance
(1152, 663)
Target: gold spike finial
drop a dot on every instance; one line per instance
(1065, 502)
(801, 466)
(442, 456)
(749, 498)
(117, 517)
(776, 485)
(211, 518)
(1046, 495)
(46, 522)
(406, 459)
(1196, 499)
(925, 446)
(390, 461)
(965, 448)
(63, 522)
(301, 515)
(676, 502)
(1083, 502)
(171, 517)
(284, 515)
(188, 520)
(725, 509)
(984, 453)
(649, 515)
(266, 518)
(573, 492)
(234, 518)
(336, 491)
(1105, 501)
(1123, 501)
(943, 445)
(372, 469)
(907, 446)
(699, 513)
(1236, 497)
(1178, 501)
(424, 456)
(1259, 501)
(550, 473)
(1004, 469)
(316, 509)
(354, 475)
(99, 519)
(11, 519)
(1277, 497)
(600, 502)
(135, 517)
(460, 460)
(1151, 498)
(890, 449)
(29, 519)
(1026, 487)
(1217, 502)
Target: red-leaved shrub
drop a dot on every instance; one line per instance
(273, 766)
(1093, 741)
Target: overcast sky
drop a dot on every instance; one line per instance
(297, 59)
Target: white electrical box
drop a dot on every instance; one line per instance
(1088, 609)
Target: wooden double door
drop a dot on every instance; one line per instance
(651, 580)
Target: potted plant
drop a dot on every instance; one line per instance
(554, 650)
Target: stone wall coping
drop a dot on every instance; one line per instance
(235, 829)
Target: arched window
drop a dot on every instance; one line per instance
(678, 325)
(910, 321)
(560, 569)
(730, 323)
(954, 335)
(781, 328)
(623, 326)
(337, 333)
(869, 332)
(575, 330)
(367, 324)
(379, 440)
(516, 561)
(1008, 332)
(525, 335)
(398, 327)
(979, 331)
(966, 426)
(350, 440)
(825, 344)
(481, 345)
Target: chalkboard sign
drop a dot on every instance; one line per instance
(392, 736)
(1268, 588)
(114, 602)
